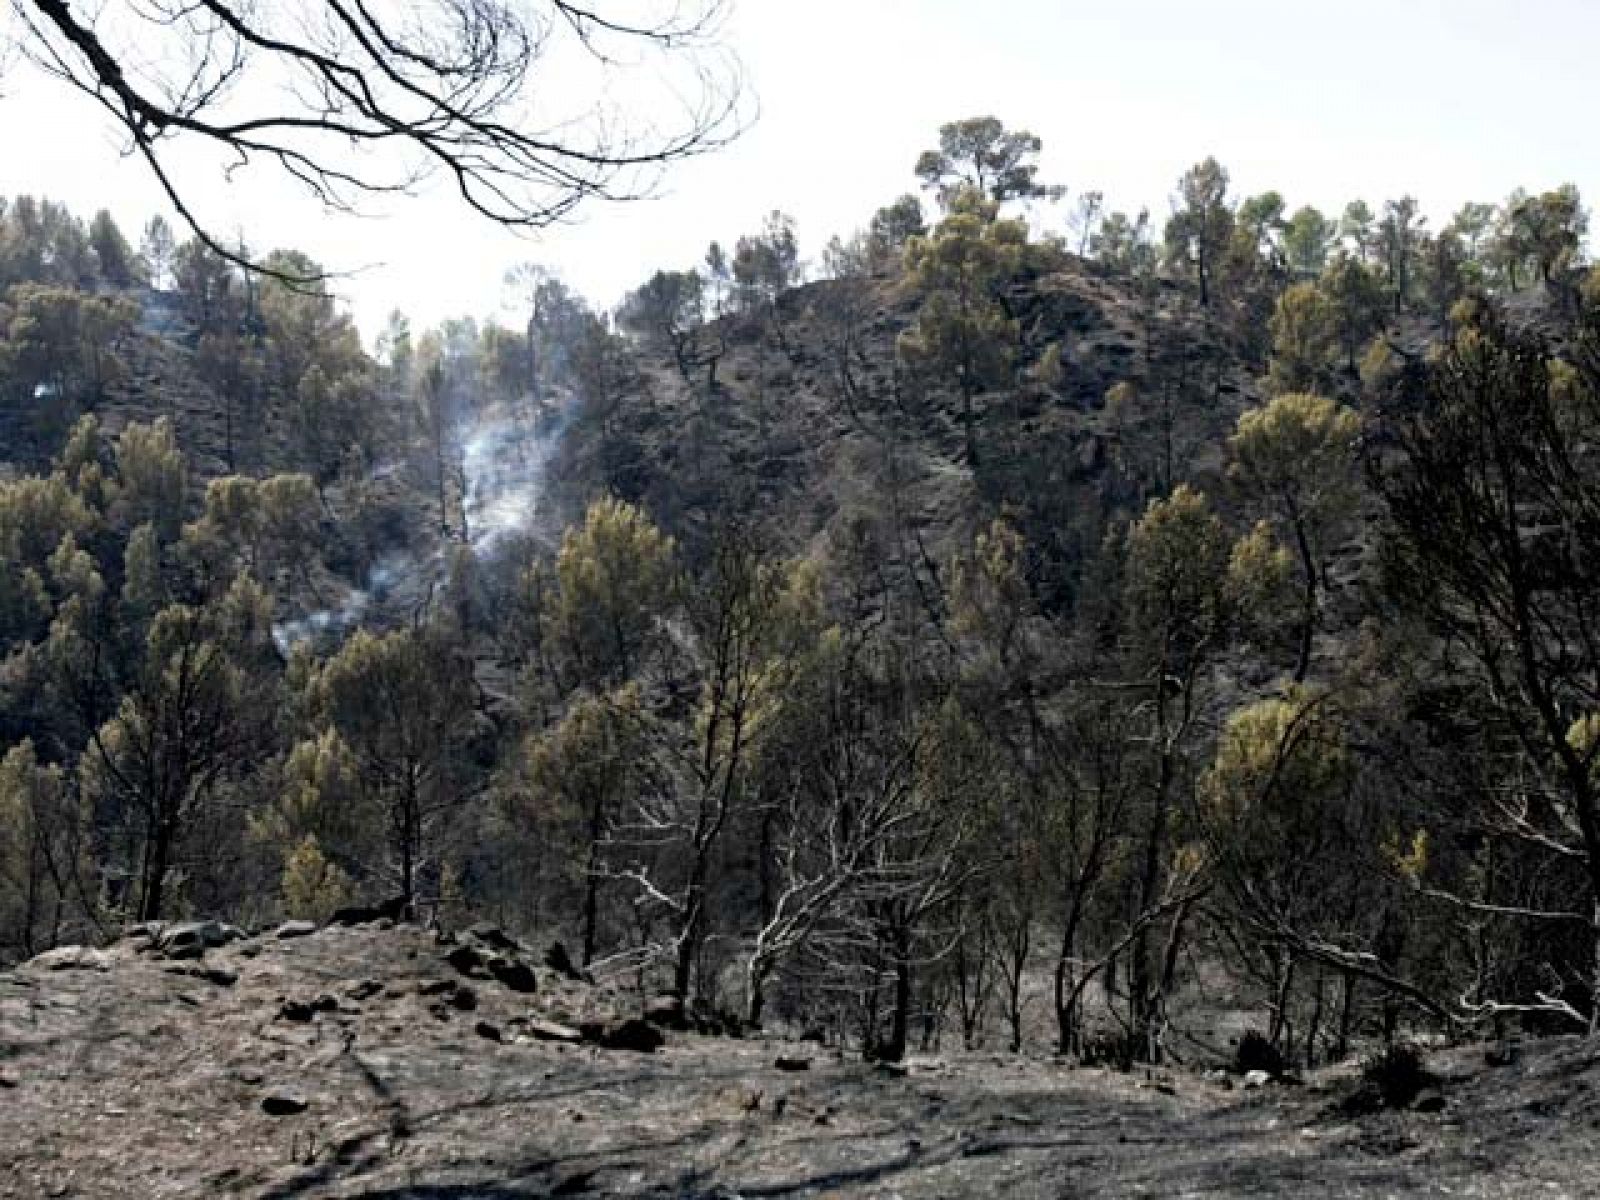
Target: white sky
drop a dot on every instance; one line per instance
(1448, 100)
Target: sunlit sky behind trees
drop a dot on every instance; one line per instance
(1451, 101)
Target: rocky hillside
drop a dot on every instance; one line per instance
(383, 1060)
(808, 421)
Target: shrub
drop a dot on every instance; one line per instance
(1256, 1053)
(1392, 1078)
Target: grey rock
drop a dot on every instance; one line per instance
(148, 932)
(392, 909)
(468, 960)
(633, 1034)
(552, 1031)
(1256, 1079)
(514, 974)
(71, 958)
(191, 939)
(295, 929)
(217, 976)
(1502, 1054)
(301, 1011)
(667, 1012)
(495, 938)
(1429, 1100)
(284, 1102)
(559, 961)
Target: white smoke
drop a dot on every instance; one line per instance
(340, 618)
(503, 468)
(503, 465)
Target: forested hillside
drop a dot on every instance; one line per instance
(997, 630)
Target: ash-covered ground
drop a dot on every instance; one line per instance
(379, 1062)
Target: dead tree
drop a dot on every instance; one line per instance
(356, 102)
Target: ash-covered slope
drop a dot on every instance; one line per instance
(802, 419)
(382, 1061)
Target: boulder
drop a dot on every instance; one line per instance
(633, 1034)
(216, 976)
(1256, 1079)
(1428, 1100)
(392, 909)
(71, 958)
(667, 1012)
(284, 1102)
(514, 974)
(551, 1031)
(1502, 1054)
(559, 961)
(295, 929)
(301, 1011)
(450, 992)
(191, 939)
(148, 933)
(495, 938)
(468, 960)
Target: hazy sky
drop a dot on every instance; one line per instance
(1449, 101)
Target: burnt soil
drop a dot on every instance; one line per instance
(134, 1076)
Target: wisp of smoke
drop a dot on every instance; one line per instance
(503, 466)
(344, 616)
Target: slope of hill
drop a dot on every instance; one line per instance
(807, 420)
(361, 1062)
